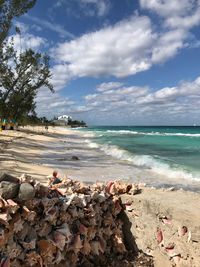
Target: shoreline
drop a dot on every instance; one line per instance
(33, 151)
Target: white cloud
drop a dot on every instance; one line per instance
(107, 86)
(90, 97)
(26, 41)
(102, 6)
(168, 45)
(60, 76)
(181, 14)
(185, 22)
(135, 103)
(36, 28)
(130, 46)
(167, 8)
(121, 50)
(52, 104)
(51, 26)
(89, 8)
(118, 50)
(132, 104)
(179, 17)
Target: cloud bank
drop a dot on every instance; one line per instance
(115, 102)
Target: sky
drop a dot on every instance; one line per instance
(118, 62)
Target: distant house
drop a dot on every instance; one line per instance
(65, 118)
(62, 120)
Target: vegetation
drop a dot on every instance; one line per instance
(76, 123)
(10, 9)
(34, 120)
(22, 74)
(21, 77)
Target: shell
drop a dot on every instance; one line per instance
(5, 262)
(86, 247)
(4, 218)
(47, 250)
(33, 259)
(182, 230)
(59, 240)
(159, 235)
(64, 225)
(77, 244)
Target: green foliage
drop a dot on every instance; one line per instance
(34, 120)
(21, 74)
(10, 9)
(76, 123)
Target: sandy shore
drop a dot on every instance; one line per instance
(38, 152)
(21, 151)
(35, 151)
(165, 224)
(151, 213)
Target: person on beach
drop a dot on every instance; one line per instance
(12, 124)
(54, 179)
(4, 124)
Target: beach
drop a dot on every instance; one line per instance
(38, 152)
(79, 154)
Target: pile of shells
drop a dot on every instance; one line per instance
(69, 224)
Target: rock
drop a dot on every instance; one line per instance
(8, 190)
(8, 178)
(74, 158)
(26, 191)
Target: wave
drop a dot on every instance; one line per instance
(152, 133)
(89, 134)
(154, 164)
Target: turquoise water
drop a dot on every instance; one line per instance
(172, 151)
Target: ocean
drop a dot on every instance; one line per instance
(170, 151)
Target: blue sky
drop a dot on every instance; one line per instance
(118, 62)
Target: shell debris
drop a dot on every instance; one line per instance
(68, 223)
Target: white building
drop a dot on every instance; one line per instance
(65, 118)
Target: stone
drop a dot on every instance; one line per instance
(26, 191)
(74, 158)
(8, 178)
(8, 190)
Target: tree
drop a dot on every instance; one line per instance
(76, 123)
(22, 75)
(9, 9)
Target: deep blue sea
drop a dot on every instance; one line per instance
(172, 151)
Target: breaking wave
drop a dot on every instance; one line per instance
(154, 164)
(152, 133)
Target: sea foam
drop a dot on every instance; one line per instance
(151, 133)
(148, 162)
